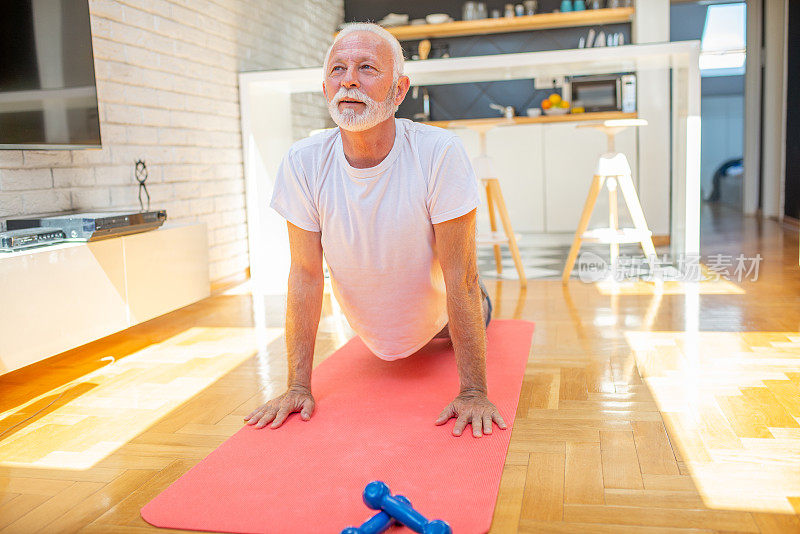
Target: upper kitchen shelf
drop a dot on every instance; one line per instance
(589, 17)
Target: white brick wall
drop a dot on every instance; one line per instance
(167, 85)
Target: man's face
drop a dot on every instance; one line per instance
(359, 84)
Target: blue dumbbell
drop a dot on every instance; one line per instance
(378, 523)
(378, 497)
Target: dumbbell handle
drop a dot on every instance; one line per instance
(404, 513)
(378, 523)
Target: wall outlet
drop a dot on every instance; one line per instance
(548, 83)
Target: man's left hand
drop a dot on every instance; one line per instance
(473, 408)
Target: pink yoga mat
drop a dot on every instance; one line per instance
(374, 420)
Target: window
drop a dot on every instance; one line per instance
(722, 49)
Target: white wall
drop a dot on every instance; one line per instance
(723, 134)
(168, 93)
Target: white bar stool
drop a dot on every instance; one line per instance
(485, 172)
(612, 170)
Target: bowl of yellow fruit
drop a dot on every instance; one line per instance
(555, 105)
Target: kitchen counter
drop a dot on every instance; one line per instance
(543, 119)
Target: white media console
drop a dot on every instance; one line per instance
(59, 297)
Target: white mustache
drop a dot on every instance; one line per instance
(352, 120)
(352, 94)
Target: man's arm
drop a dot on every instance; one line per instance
(455, 245)
(303, 309)
(303, 303)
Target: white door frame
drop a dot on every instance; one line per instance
(752, 108)
(773, 166)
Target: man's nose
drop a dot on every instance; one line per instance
(350, 78)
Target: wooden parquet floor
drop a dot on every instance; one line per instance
(643, 409)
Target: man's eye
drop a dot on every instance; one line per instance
(336, 67)
(368, 66)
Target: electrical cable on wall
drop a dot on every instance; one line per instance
(141, 177)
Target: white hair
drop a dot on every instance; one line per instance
(397, 50)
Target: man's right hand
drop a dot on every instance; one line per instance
(296, 399)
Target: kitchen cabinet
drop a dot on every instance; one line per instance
(545, 170)
(517, 155)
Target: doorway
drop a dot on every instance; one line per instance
(721, 29)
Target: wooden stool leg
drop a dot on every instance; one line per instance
(588, 206)
(512, 239)
(635, 209)
(613, 219)
(498, 258)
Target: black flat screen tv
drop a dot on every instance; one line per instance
(48, 96)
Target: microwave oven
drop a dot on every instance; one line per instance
(615, 92)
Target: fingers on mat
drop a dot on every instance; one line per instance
(445, 416)
(487, 424)
(308, 409)
(461, 422)
(499, 420)
(283, 413)
(477, 423)
(265, 419)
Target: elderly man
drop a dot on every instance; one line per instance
(391, 203)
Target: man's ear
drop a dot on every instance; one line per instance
(403, 84)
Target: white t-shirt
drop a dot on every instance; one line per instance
(377, 227)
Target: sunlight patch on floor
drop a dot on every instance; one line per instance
(103, 410)
(731, 402)
(641, 287)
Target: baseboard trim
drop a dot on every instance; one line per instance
(223, 284)
(790, 223)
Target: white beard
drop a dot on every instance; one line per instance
(373, 114)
